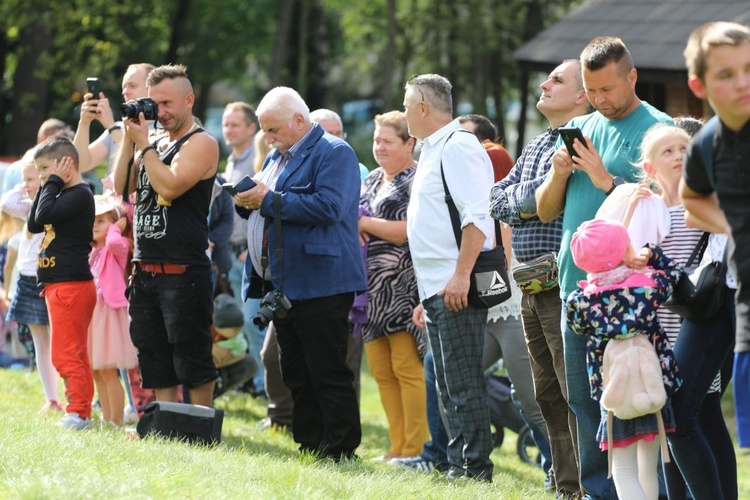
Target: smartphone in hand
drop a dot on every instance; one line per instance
(570, 133)
(241, 186)
(92, 84)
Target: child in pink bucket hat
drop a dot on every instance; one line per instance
(617, 305)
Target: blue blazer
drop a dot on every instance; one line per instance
(319, 190)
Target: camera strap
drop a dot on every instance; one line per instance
(278, 249)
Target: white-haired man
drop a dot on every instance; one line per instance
(310, 180)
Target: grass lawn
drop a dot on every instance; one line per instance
(40, 460)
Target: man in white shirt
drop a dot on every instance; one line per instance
(97, 107)
(455, 328)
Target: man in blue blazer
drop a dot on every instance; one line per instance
(311, 179)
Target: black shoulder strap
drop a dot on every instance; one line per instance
(698, 251)
(452, 210)
(174, 148)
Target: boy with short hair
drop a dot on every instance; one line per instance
(64, 209)
(717, 196)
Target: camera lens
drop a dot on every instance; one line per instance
(130, 110)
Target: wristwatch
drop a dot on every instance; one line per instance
(616, 181)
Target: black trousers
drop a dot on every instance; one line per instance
(312, 340)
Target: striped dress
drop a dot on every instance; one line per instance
(678, 245)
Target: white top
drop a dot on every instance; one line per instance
(650, 222)
(468, 173)
(28, 253)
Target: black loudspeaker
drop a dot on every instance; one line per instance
(192, 423)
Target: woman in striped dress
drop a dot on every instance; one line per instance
(393, 344)
(701, 446)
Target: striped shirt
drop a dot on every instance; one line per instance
(516, 194)
(679, 245)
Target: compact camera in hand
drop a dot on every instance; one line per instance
(273, 305)
(144, 105)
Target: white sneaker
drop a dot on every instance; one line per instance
(130, 416)
(414, 464)
(74, 422)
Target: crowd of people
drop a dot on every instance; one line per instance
(184, 287)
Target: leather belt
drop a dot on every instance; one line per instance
(161, 268)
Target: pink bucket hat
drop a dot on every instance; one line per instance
(599, 245)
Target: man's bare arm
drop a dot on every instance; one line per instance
(120, 172)
(197, 159)
(703, 211)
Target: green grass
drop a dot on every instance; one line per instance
(39, 460)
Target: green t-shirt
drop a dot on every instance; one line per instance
(618, 143)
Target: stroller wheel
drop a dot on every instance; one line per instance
(526, 447)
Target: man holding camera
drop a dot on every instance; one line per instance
(96, 107)
(170, 290)
(305, 261)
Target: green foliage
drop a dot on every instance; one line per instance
(336, 50)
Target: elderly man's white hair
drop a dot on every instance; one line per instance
(283, 99)
(325, 114)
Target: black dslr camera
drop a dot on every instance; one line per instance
(273, 305)
(144, 105)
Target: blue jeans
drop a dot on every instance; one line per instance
(593, 462)
(252, 332)
(436, 449)
(700, 351)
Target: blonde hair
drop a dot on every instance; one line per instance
(261, 150)
(653, 135)
(9, 226)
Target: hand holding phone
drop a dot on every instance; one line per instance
(240, 186)
(92, 84)
(570, 133)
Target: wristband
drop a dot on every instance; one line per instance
(114, 127)
(147, 149)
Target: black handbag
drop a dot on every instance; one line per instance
(489, 285)
(192, 423)
(699, 292)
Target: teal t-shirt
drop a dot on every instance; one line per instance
(618, 143)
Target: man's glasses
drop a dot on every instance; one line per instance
(410, 82)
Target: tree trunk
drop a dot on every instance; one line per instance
(303, 47)
(497, 87)
(282, 41)
(533, 26)
(524, 96)
(179, 26)
(29, 105)
(388, 58)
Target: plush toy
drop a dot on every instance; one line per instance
(632, 378)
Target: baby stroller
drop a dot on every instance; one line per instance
(504, 413)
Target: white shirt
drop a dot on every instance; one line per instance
(468, 173)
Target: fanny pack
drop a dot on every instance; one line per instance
(537, 275)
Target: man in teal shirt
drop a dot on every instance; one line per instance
(577, 186)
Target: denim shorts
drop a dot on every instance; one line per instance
(27, 307)
(171, 327)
